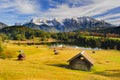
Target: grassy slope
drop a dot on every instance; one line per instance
(42, 64)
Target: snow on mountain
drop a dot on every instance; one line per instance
(67, 24)
(37, 21)
(47, 22)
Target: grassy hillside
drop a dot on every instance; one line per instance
(22, 33)
(42, 64)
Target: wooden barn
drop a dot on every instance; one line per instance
(81, 61)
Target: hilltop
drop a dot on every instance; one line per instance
(22, 33)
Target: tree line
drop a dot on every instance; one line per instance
(88, 41)
(22, 33)
(76, 38)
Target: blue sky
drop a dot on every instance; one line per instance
(20, 11)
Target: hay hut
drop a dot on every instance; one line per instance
(81, 61)
(21, 56)
(55, 52)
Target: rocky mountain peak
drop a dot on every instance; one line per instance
(67, 24)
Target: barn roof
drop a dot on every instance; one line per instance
(83, 54)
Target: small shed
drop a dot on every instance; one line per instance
(21, 56)
(55, 52)
(81, 61)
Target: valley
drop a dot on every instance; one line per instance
(42, 64)
(59, 39)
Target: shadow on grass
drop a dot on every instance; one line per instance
(66, 66)
(109, 73)
(60, 65)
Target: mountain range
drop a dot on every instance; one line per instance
(67, 24)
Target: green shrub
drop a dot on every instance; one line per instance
(7, 54)
(1, 49)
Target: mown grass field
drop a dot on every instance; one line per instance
(42, 64)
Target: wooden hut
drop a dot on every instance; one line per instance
(55, 52)
(81, 61)
(21, 56)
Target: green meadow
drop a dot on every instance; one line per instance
(42, 64)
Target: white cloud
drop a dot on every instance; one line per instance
(26, 6)
(114, 21)
(21, 6)
(89, 8)
(109, 16)
(102, 7)
(97, 7)
(11, 11)
(4, 4)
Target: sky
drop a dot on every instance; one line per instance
(20, 11)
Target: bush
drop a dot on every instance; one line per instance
(7, 54)
(1, 49)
